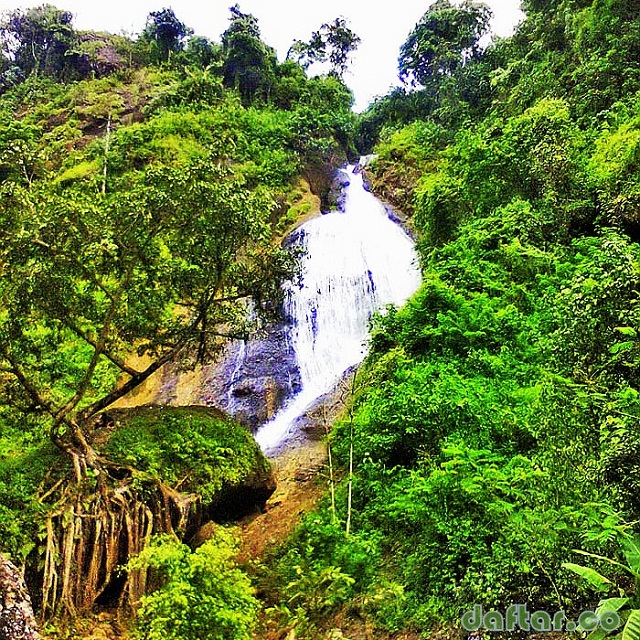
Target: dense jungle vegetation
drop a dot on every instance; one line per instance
(494, 428)
(145, 187)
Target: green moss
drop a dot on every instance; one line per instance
(198, 449)
(300, 204)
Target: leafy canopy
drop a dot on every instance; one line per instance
(38, 39)
(445, 39)
(165, 31)
(333, 43)
(203, 594)
(249, 64)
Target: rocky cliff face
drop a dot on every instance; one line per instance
(250, 380)
(254, 378)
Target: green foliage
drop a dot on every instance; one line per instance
(399, 107)
(248, 63)
(90, 249)
(203, 594)
(24, 466)
(598, 299)
(495, 423)
(165, 33)
(19, 157)
(443, 40)
(87, 168)
(140, 209)
(333, 43)
(195, 447)
(320, 571)
(474, 528)
(627, 607)
(533, 156)
(37, 40)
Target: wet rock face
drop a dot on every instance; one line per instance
(17, 621)
(320, 175)
(254, 378)
(337, 196)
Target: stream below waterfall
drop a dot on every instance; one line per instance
(355, 263)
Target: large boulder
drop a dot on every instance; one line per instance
(197, 450)
(254, 378)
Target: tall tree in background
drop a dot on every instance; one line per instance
(444, 40)
(38, 39)
(165, 32)
(333, 43)
(249, 64)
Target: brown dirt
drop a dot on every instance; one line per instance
(299, 473)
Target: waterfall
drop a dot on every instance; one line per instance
(355, 263)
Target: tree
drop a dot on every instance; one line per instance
(248, 63)
(161, 265)
(333, 43)
(165, 33)
(201, 52)
(19, 159)
(443, 41)
(38, 39)
(158, 265)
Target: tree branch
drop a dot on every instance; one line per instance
(107, 354)
(97, 353)
(131, 384)
(138, 379)
(87, 272)
(26, 384)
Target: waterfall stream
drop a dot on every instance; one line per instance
(354, 264)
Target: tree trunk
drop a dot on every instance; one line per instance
(17, 621)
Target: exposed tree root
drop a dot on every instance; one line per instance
(101, 518)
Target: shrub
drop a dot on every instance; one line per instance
(203, 594)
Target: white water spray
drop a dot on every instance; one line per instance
(355, 263)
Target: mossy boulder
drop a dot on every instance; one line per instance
(194, 449)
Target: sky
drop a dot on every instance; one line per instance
(382, 26)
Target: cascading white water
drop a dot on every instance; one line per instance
(355, 263)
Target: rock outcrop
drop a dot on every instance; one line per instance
(255, 377)
(17, 621)
(336, 199)
(230, 470)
